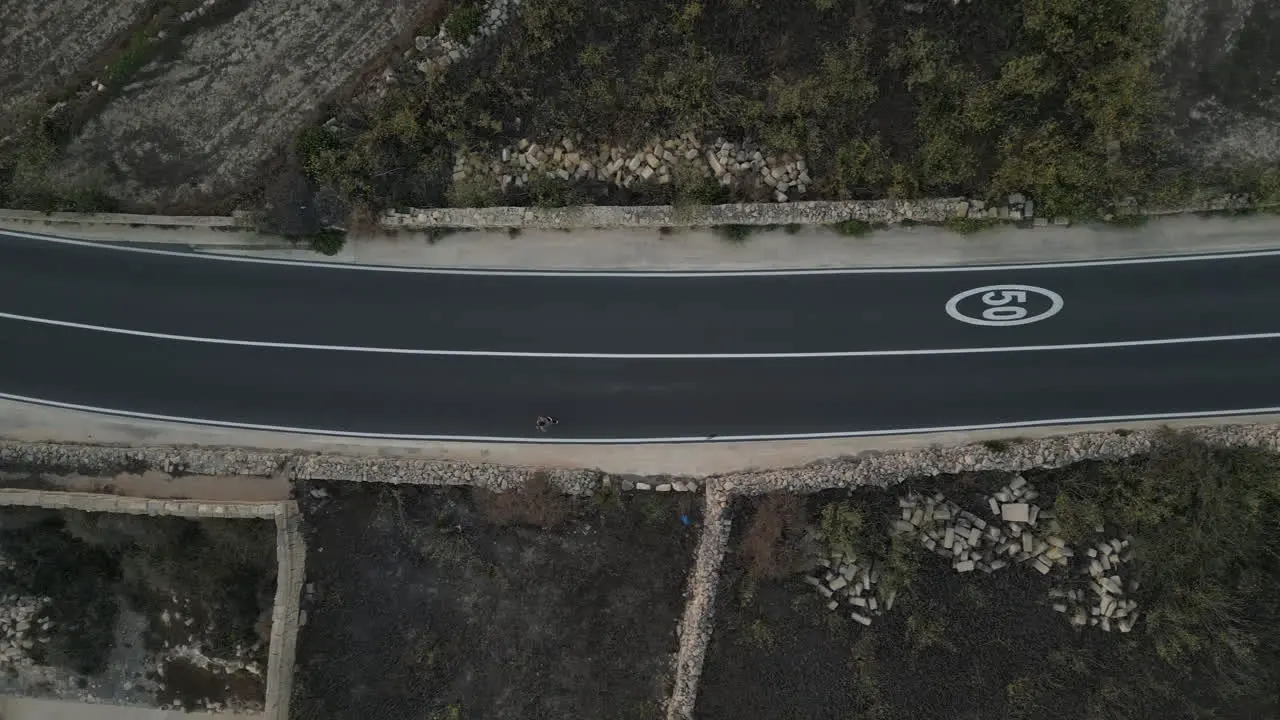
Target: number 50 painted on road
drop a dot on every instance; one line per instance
(1005, 305)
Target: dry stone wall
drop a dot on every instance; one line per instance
(1015, 208)
(743, 166)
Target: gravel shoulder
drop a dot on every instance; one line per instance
(33, 423)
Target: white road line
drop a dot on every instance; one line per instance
(656, 274)
(546, 440)
(641, 356)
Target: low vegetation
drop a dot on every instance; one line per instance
(1059, 98)
(1205, 542)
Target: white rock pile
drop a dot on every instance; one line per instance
(848, 581)
(674, 485)
(442, 50)
(1017, 206)
(21, 628)
(198, 12)
(1105, 605)
(1020, 533)
(730, 164)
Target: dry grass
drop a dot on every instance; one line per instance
(773, 544)
(538, 503)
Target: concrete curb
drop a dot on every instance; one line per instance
(290, 562)
(34, 217)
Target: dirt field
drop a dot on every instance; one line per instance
(195, 126)
(439, 603)
(135, 610)
(981, 645)
(44, 44)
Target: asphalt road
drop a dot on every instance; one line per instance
(360, 392)
(697, 315)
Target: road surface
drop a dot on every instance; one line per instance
(633, 356)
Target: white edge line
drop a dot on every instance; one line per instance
(1067, 264)
(641, 441)
(639, 356)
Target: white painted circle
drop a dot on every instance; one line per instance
(1005, 305)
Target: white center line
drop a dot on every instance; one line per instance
(641, 356)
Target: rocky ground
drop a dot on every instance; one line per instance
(44, 45)
(454, 603)
(134, 610)
(195, 126)
(1226, 71)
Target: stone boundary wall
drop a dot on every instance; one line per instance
(98, 502)
(240, 221)
(290, 559)
(698, 620)
(874, 212)
(657, 216)
(817, 212)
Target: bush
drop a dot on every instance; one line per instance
(327, 242)
(464, 22)
(853, 228)
(736, 234)
(969, 225)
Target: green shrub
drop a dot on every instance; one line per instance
(736, 233)
(132, 57)
(314, 147)
(464, 22)
(970, 225)
(327, 242)
(853, 227)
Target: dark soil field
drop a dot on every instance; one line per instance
(448, 603)
(986, 646)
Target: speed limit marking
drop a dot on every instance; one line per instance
(1004, 305)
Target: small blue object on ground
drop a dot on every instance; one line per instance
(685, 519)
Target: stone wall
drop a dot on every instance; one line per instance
(746, 167)
(1016, 208)
(291, 557)
(657, 216)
